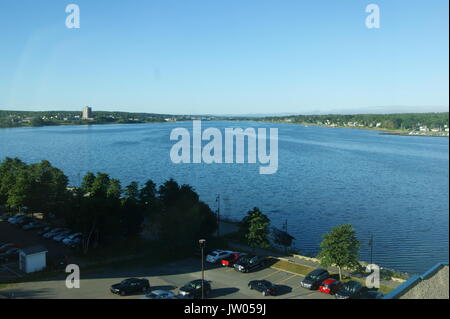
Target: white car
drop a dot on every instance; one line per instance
(218, 255)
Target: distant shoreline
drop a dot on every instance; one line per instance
(381, 131)
(15, 119)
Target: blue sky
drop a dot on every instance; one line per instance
(217, 56)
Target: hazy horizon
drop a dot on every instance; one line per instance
(370, 110)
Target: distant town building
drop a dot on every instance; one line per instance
(87, 113)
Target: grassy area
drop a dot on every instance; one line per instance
(4, 286)
(291, 267)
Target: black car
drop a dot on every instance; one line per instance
(44, 230)
(263, 286)
(313, 280)
(249, 263)
(130, 285)
(193, 289)
(349, 290)
(372, 294)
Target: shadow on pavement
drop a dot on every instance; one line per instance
(283, 290)
(223, 292)
(167, 288)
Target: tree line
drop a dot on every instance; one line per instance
(102, 209)
(51, 118)
(406, 121)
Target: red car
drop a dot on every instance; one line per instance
(231, 260)
(330, 286)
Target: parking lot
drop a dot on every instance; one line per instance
(226, 283)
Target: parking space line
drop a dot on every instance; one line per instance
(276, 272)
(286, 279)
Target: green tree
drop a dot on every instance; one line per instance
(114, 189)
(181, 217)
(19, 193)
(132, 191)
(100, 185)
(88, 181)
(255, 227)
(48, 188)
(340, 247)
(147, 193)
(9, 170)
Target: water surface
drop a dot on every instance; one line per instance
(395, 187)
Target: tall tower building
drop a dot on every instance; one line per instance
(87, 113)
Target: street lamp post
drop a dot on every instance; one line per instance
(202, 246)
(218, 214)
(371, 248)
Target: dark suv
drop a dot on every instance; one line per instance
(130, 285)
(249, 263)
(349, 290)
(313, 280)
(193, 289)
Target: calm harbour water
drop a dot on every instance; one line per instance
(395, 187)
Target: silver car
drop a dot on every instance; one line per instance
(52, 233)
(159, 294)
(60, 236)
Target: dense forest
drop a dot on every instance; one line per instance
(105, 211)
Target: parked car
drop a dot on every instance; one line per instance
(193, 289)
(73, 240)
(349, 290)
(52, 233)
(5, 247)
(217, 255)
(159, 294)
(313, 280)
(18, 218)
(263, 286)
(14, 217)
(23, 221)
(5, 216)
(372, 294)
(61, 235)
(130, 285)
(74, 243)
(33, 225)
(45, 230)
(249, 263)
(232, 259)
(330, 286)
(10, 254)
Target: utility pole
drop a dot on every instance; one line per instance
(202, 246)
(218, 214)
